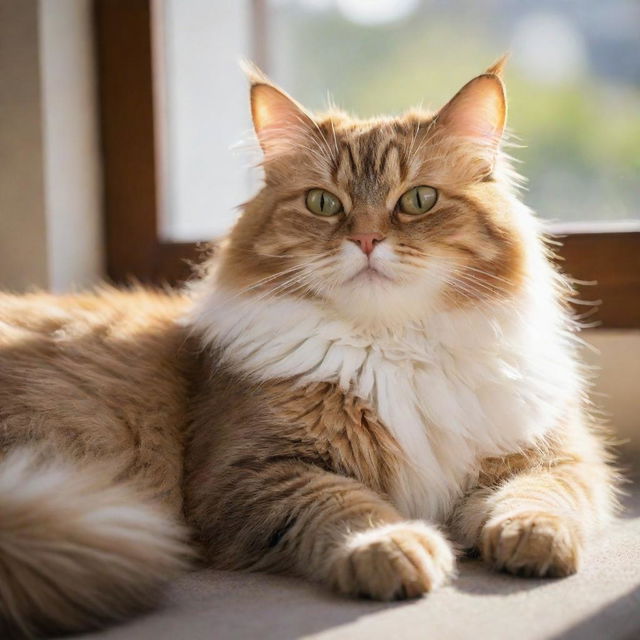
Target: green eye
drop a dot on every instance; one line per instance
(323, 203)
(418, 200)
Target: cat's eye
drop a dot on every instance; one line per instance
(323, 203)
(418, 200)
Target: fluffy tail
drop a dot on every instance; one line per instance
(76, 551)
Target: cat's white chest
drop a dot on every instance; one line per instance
(447, 407)
(452, 391)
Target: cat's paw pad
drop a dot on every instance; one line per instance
(531, 544)
(403, 560)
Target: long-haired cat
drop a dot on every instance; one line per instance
(378, 363)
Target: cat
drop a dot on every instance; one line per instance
(377, 368)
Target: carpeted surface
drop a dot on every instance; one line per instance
(601, 601)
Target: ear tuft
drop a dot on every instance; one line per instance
(497, 68)
(254, 74)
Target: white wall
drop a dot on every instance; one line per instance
(50, 214)
(72, 164)
(617, 356)
(23, 242)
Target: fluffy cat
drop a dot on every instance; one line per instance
(378, 362)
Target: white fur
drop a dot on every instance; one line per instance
(452, 387)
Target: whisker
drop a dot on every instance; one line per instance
(303, 278)
(326, 143)
(469, 278)
(486, 273)
(265, 280)
(335, 140)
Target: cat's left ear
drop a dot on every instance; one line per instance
(478, 112)
(281, 123)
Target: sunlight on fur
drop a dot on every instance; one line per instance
(378, 363)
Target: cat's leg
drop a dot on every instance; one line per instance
(536, 520)
(297, 518)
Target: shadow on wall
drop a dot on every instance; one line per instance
(616, 359)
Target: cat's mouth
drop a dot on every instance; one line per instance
(368, 274)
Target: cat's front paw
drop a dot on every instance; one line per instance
(403, 560)
(531, 544)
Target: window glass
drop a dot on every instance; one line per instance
(573, 82)
(203, 115)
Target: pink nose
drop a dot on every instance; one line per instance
(366, 241)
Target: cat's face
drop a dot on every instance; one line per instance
(379, 218)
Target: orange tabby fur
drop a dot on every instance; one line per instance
(92, 411)
(101, 393)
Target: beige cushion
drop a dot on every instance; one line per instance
(601, 601)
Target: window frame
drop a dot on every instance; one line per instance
(605, 256)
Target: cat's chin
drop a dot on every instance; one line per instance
(376, 295)
(371, 299)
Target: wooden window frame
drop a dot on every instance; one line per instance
(606, 255)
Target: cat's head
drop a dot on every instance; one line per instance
(381, 218)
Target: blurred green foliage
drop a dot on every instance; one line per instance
(580, 139)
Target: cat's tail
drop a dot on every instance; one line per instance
(75, 550)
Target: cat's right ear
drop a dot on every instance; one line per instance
(281, 124)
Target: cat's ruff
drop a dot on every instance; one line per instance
(457, 387)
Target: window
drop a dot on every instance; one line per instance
(573, 83)
(205, 114)
(174, 102)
